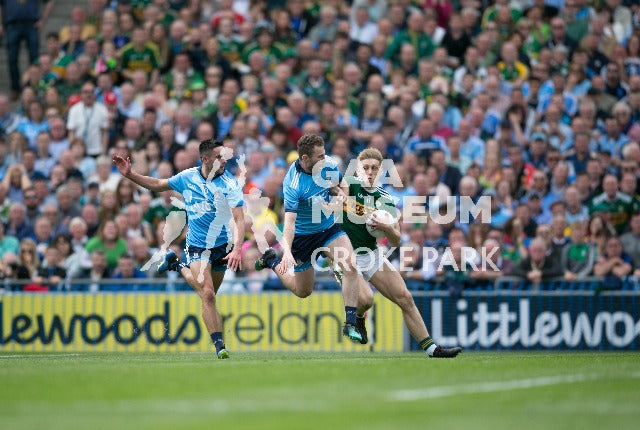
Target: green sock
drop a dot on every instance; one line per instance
(426, 343)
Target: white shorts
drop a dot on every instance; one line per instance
(369, 263)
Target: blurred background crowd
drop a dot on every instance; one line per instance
(534, 103)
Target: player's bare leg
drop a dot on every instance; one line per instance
(365, 296)
(207, 292)
(340, 251)
(391, 285)
(299, 283)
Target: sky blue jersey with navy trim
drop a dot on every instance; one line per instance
(209, 205)
(303, 193)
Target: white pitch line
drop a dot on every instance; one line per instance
(486, 387)
(38, 355)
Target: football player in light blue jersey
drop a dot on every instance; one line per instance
(212, 197)
(305, 190)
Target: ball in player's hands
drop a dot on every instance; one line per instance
(381, 216)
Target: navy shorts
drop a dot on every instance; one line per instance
(304, 244)
(215, 256)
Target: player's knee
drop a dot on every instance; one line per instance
(349, 270)
(208, 294)
(303, 292)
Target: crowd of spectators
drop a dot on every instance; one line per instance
(535, 103)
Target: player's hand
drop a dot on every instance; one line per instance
(124, 166)
(234, 261)
(286, 262)
(377, 224)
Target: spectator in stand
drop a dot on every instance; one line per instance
(97, 272)
(16, 225)
(538, 267)
(26, 266)
(127, 270)
(613, 264)
(8, 244)
(579, 256)
(51, 274)
(88, 120)
(109, 241)
(615, 205)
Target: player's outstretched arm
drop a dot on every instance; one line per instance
(152, 184)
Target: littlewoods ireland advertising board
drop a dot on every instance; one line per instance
(76, 322)
(544, 320)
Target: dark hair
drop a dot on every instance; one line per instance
(278, 128)
(207, 145)
(307, 142)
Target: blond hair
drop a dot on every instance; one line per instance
(370, 153)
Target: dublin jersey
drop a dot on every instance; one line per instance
(305, 194)
(208, 205)
(359, 207)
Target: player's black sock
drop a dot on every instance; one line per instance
(181, 265)
(360, 316)
(217, 340)
(351, 314)
(273, 262)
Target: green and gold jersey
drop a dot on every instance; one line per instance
(231, 48)
(359, 207)
(619, 209)
(145, 60)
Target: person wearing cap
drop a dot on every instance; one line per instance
(537, 150)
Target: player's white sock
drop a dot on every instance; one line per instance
(431, 348)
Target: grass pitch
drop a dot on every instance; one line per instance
(320, 391)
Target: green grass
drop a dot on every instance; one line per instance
(320, 391)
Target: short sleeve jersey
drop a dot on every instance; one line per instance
(305, 194)
(208, 204)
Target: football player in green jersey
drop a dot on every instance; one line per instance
(364, 197)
